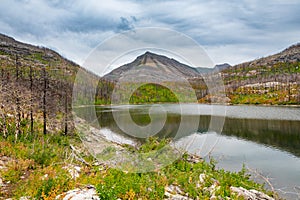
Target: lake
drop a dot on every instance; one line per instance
(265, 139)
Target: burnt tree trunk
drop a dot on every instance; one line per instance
(44, 100)
(66, 104)
(31, 100)
(18, 108)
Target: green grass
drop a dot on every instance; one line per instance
(37, 164)
(269, 97)
(31, 160)
(147, 93)
(153, 93)
(280, 96)
(117, 184)
(151, 185)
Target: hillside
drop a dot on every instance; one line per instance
(152, 63)
(157, 74)
(274, 79)
(289, 55)
(270, 80)
(36, 83)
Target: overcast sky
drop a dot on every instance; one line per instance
(229, 31)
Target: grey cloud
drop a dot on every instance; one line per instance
(219, 25)
(226, 21)
(125, 24)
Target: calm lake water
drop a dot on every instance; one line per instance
(262, 138)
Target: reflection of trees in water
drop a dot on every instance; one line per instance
(281, 134)
(170, 128)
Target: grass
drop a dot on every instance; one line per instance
(117, 184)
(37, 168)
(152, 93)
(283, 94)
(267, 96)
(146, 93)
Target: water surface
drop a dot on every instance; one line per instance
(263, 138)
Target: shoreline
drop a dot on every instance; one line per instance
(196, 103)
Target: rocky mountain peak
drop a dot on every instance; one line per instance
(150, 58)
(155, 62)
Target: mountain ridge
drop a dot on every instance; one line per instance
(155, 62)
(11, 46)
(289, 54)
(216, 68)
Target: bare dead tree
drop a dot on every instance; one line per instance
(44, 100)
(288, 88)
(66, 103)
(31, 100)
(3, 116)
(18, 109)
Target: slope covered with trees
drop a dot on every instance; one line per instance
(36, 87)
(271, 80)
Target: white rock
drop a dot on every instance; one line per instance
(201, 181)
(250, 194)
(96, 164)
(175, 193)
(202, 178)
(174, 189)
(73, 170)
(25, 198)
(214, 188)
(88, 193)
(213, 197)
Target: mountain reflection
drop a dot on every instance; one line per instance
(280, 134)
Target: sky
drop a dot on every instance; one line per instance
(232, 31)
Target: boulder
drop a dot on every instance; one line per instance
(87, 193)
(250, 194)
(175, 193)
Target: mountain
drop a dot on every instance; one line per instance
(35, 80)
(270, 80)
(284, 62)
(219, 67)
(274, 79)
(152, 63)
(289, 55)
(31, 71)
(204, 70)
(13, 52)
